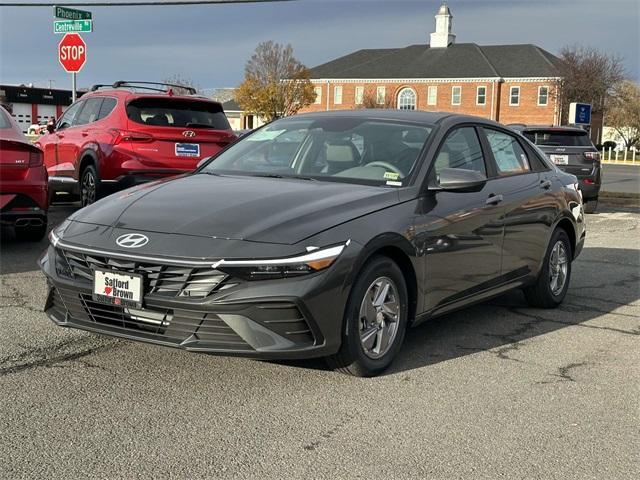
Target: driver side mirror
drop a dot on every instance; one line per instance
(460, 180)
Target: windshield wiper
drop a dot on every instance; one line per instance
(279, 175)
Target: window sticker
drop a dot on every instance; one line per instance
(394, 184)
(263, 135)
(391, 175)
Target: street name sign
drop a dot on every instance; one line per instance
(70, 26)
(71, 13)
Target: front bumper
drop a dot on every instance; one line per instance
(270, 319)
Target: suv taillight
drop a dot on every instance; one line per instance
(35, 159)
(130, 136)
(595, 156)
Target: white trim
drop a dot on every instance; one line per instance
(538, 99)
(511, 104)
(452, 88)
(478, 94)
(434, 80)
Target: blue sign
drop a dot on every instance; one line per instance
(580, 113)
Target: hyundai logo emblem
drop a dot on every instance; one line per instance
(189, 133)
(132, 240)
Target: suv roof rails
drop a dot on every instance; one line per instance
(145, 86)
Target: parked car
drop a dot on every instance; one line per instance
(363, 232)
(571, 150)
(23, 182)
(128, 133)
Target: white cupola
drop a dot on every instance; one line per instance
(443, 37)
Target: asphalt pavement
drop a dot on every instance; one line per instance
(499, 390)
(620, 178)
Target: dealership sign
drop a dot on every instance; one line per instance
(72, 52)
(580, 113)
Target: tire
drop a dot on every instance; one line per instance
(89, 186)
(544, 293)
(359, 357)
(591, 206)
(31, 233)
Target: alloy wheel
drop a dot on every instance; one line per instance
(379, 317)
(88, 188)
(558, 267)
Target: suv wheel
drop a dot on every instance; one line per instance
(375, 320)
(89, 186)
(553, 281)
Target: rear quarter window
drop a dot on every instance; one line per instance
(168, 112)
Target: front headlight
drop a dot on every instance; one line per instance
(304, 264)
(55, 235)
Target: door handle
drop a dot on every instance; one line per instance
(494, 199)
(546, 184)
(85, 133)
(60, 135)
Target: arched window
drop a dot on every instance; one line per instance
(407, 99)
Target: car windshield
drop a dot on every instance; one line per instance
(558, 138)
(341, 149)
(169, 112)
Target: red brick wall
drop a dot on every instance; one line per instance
(528, 111)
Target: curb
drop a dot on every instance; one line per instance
(620, 199)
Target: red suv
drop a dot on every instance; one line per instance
(127, 133)
(23, 182)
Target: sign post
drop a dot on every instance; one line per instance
(72, 51)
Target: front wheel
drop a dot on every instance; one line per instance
(375, 320)
(553, 281)
(89, 186)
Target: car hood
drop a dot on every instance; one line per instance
(269, 210)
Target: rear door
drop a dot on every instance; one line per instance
(175, 133)
(527, 203)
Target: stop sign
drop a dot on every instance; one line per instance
(72, 52)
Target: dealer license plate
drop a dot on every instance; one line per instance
(187, 150)
(117, 288)
(560, 159)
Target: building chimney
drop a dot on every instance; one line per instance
(443, 37)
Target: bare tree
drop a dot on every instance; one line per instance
(370, 100)
(179, 79)
(623, 112)
(588, 75)
(275, 83)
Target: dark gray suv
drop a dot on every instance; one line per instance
(572, 151)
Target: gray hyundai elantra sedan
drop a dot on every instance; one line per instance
(321, 235)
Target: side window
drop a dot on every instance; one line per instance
(66, 120)
(510, 157)
(89, 113)
(461, 149)
(108, 104)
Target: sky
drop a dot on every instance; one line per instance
(210, 44)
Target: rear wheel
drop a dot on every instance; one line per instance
(375, 320)
(553, 281)
(89, 186)
(591, 206)
(31, 233)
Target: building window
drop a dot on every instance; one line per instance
(318, 92)
(337, 95)
(543, 96)
(456, 95)
(407, 99)
(432, 95)
(514, 96)
(381, 93)
(359, 95)
(481, 96)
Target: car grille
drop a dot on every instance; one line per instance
(178, 327)
(162, 280)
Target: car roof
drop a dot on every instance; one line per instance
(129, 94)
(554, 129)
(400, 115)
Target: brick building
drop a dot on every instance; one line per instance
(506, 83)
